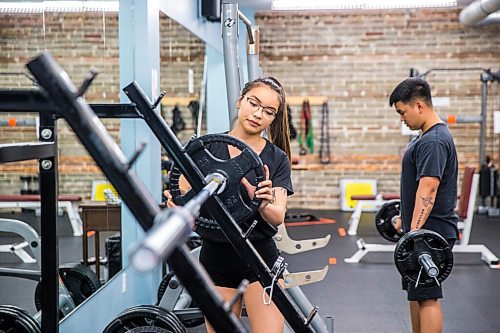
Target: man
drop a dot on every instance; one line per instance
(428, 188)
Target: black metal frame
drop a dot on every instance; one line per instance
(46, 153)
(34, 100)
(110, 159)
(195, 280)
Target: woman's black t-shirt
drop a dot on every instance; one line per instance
(279, 173)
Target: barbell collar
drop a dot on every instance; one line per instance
(428, 264)
(216, 183)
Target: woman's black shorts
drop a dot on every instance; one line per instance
(225, 266)
(421, 293)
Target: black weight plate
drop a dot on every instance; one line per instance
(25, 315)
(145, 316)
(12, 320)
(16, 320)
(415, 243)
(175, 322)
(38, 299)
(149, 329)
(237, 203)
(80, 280)
(383, 220)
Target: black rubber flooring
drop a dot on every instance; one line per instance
(364, 297)
(367, 297)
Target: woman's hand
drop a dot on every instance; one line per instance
(170, 202)
(263, 191)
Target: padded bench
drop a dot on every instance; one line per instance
(70, 203)
(367, 202)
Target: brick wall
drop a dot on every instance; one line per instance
(353, 58)
(80, 42)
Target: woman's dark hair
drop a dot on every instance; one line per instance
(279, 131)
(410, 90)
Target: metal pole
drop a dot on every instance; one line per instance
(305, 306)
(50, 248)
(203, 97)
(253, 63)
(230, 49)
(461, 119)
(484, 111)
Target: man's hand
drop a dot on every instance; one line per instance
(398, 224)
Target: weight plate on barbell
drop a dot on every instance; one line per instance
(234, 197)
(415, 243)
(384, 220)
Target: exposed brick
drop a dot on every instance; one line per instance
(353, 58)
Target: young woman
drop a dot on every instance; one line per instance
(261, 108)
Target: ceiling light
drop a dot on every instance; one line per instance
(27, 7)
(357, 4)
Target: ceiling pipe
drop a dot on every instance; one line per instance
(478, 11)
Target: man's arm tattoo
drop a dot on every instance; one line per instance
(427, 201)
(273, 200)
(419, 220)
(424, 213)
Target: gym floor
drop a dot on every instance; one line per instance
(364, 297)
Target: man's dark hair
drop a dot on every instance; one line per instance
(410, 90)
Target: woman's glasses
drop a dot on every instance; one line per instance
(255, 106)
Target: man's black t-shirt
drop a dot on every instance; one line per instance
(279, 172)
(432, 154)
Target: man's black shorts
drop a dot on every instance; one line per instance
(421, 293)
(225, 266)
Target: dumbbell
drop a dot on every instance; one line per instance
(423, 257)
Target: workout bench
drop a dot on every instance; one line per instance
(465, 212)
(367, 203)
(69, 203)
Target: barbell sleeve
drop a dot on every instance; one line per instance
(171, 227)
(215, 183)
(428, 264)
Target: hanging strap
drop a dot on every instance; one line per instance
(324, 150)
(303, 128)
